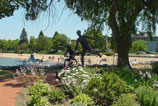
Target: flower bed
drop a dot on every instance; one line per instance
(101, 87)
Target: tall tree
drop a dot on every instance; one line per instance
(23, 37)
(41, 34)
(55, 34)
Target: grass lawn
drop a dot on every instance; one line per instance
(6, 74)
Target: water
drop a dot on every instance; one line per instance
(16, 62)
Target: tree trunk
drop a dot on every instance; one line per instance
(123, 42)
(122, 50)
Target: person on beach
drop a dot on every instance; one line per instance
(85, 45)
(32, 59)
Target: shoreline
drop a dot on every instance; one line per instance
(109, 60)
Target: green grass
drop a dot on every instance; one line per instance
(133, 54)
(6, 74)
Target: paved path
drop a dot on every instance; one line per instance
(9, 89)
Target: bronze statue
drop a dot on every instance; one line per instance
(85, 45)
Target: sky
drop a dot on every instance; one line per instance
(63, 21)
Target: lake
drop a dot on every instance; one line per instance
(17, 62)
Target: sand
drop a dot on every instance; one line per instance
(88, 59)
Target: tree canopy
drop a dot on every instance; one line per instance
(60, 41)
(122, 16)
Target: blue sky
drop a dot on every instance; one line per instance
(63, 21)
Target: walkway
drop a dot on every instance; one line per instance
(9, 89)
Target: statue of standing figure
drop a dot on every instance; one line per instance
(85, 45)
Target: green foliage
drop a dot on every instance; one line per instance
(33, 43)
(9, 45)
(155, 67)
(127, 100)
(23, 46)
(59, 42)
(83, 98)
(43, 43)
(37, 100)
(139, 45)
(23, 37)
(107, 89)
(73, 45)
(8, 8)
(56, 95)
(109, 53)
(132, 78)
(99, 42)
(147, 96)
(39, 88)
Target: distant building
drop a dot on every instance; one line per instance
(151, 43)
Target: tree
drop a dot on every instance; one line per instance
(41, 34)
(7, 7)
(33, 43)
(55, 34)
(122, 16)
(44, 43)
(139, 45)
(99, 42)
(60, 41)
(23, 37)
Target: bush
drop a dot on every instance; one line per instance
(130, 77)
(37, 100)
(39, 88)
(83, 98)
(75, 80)
(109, 53)
(107, 89)
(127, 100)
(56, 95)
(147, 96)
(155, 67)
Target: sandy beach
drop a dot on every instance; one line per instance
(88, 59)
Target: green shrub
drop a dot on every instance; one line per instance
(56, 95)
(127, 100)
(130, 77)
(109, 53)
(155, 67)
(107, 89)
(39, 88)
(83, 98)
(37, 100)
(147, 96)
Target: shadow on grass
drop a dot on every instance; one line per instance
(6, 74)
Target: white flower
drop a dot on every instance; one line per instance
(149, 75)
(64, 78)
(73, 69)
(69, 76)
(135, 80)
(156, 85)
(85, 81)
(140, 73)
(95, 90)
